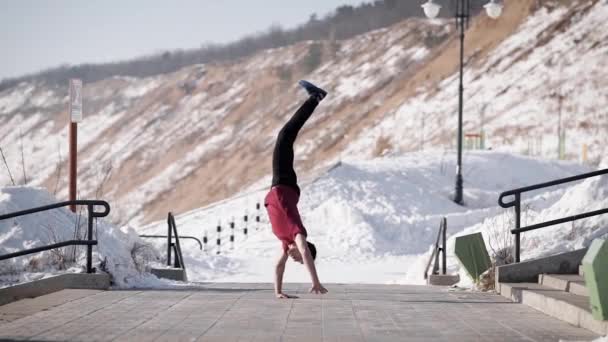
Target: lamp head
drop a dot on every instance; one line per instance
(431, 9)
(493, 9)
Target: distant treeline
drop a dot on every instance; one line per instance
(345, 22)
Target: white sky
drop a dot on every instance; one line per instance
(37, 35)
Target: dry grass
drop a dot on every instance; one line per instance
(501, 243)
(487, 280)
(8, 169)
(383, 146)
(500, 239)
(65, 257)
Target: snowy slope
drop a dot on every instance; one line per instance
(512, 96)
(372, 221)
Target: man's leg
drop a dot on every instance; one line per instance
(282, 158)
(290, 130)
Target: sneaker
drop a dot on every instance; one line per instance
(313, 90)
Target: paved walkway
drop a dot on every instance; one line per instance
(249, 312)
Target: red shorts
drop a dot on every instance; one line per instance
(281, 203)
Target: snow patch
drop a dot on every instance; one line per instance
(112, 254)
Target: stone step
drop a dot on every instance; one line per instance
(553, 281)
(171, 273)
(443, 279)
(41, 287)
(566, 306)
(562, 282)
(572, 283)
(579, 288)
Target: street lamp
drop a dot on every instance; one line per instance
(463, 12)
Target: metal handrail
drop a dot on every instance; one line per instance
(562, 220)
(62, 204)
(516, 202)
(200, 244)
(49, 247)
(545, 185)
(172, 229)
(441, 235)
(89, 242)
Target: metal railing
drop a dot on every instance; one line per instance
(172, 231)
(90, 242)
(516, 202)
(200, 244)
(441, 237)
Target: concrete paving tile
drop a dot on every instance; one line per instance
(249, 312)
(220, 338)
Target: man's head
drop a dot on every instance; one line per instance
(295, 255)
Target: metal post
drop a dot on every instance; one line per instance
(461, 15)
(179, 258)
(205, 240)
(90, 237)
(443, 246)
(73, 132)
(232, 234)
(169, 232)
(517, 226)
(219, 239)
(176, 264)
(245, 229)
(257, 217)
(436, 264)
(75, 115)
(560, 99)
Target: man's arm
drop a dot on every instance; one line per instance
(278, 275)
(310, 264)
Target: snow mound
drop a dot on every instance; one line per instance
(588, 195)
(113, 254)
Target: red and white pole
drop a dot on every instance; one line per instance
(75, 110)
(73, 162)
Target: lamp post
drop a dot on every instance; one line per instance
(463, 13)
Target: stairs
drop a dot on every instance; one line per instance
(563, 296)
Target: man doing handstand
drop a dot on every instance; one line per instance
(282, 199)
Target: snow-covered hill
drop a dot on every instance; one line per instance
(186, 139)
(551, 69)
(373, 221)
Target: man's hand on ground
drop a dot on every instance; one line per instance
(285, 296)
(318, 289)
